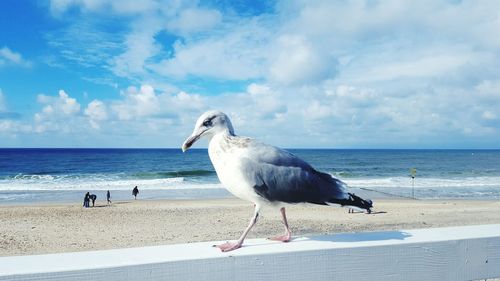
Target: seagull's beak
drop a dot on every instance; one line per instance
(191, 140)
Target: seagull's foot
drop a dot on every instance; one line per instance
(226, 247)
(283, 238)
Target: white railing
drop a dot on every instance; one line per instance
(451, 253)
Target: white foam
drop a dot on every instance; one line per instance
(395, 182)
(430, 187)
(98, 183)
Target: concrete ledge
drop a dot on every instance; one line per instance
(451, 253)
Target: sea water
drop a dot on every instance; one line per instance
(33, 175)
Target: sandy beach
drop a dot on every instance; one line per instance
(53, 228)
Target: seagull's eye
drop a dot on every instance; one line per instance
(207, 123)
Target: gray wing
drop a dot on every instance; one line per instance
(278, 175)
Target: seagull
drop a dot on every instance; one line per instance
(266, 175)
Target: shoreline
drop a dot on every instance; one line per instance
(67, 227)
(46, 196)
(34, 197)
(195, 200)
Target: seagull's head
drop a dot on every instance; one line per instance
(208, 125)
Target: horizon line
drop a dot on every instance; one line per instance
(297, 148)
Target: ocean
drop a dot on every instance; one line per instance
(54, 175)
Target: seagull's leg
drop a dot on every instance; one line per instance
(288, 235)
(226, 247)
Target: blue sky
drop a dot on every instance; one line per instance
(320, 74)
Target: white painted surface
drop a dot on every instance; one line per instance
(451, 253)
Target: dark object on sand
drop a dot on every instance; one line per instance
(135, 191)
(86, 200)
(365, 204)
(108, 197)
(93, 197)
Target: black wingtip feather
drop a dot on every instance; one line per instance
(354, 201)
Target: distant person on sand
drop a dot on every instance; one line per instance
(108, 196)
(93, 197)
(86, 200)
(135, 191)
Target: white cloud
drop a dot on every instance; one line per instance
(9, 57)
(64, 104)
(431, 66)
(140, 46)
(137, 103)
(489, 115)
(353, 96)
(265, 101)
(83, 43)
(145, 103)
(185, 101)
(96, 112)
(236, 53)
(317, 110)
(57, 113)
(489, 89)
(11, 128)
(297, 61)
(194, 20)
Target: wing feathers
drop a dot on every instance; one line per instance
(284, 177)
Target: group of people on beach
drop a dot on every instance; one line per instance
(93, 197)
(88, 197)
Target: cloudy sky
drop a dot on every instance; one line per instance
(329, 74)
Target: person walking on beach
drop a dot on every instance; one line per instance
(108, 197)
(86, 200)
(135, 191)
(93, 197)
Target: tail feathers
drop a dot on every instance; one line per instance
(354, 202)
